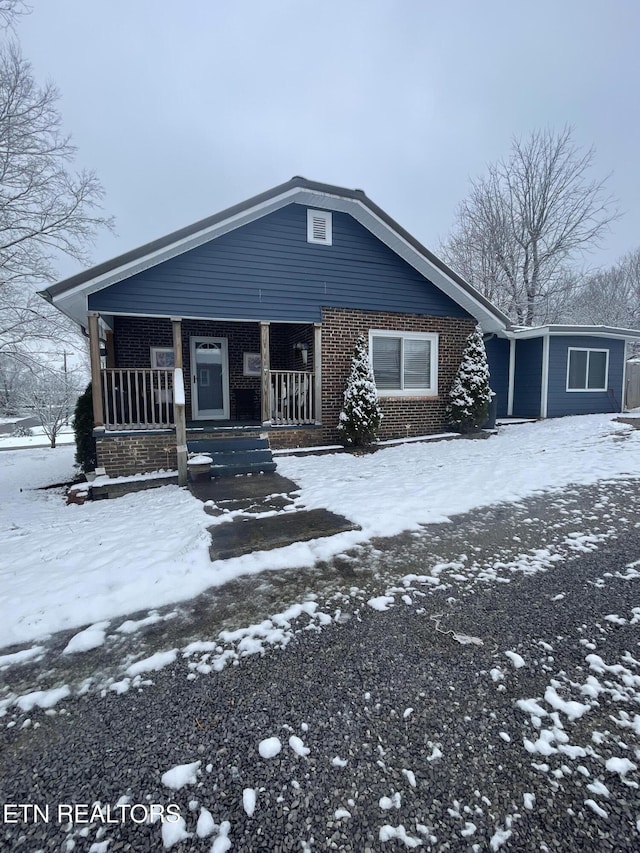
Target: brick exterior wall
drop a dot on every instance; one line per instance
(288, 438)
(134, 337)
(403, 416)
(136, 453)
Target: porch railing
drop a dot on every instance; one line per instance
(292, 397)
(137, 398)
(140, 398)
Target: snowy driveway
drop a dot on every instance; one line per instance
(470, 686)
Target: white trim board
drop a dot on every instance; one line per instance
(544, 380)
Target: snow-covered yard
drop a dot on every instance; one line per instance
(67, 566)
(37, 438)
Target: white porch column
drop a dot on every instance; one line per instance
(179, 407)
(317, 371)
(96, 377)
(265, 395)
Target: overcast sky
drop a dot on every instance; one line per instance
(184, 107)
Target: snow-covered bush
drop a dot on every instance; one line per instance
(83, 429)
(361, 416)
(470, 393)
(21, 431)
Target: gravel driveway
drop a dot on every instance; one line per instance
(509, 721)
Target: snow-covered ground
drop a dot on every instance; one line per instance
(70, 566)
(566, 720)
(36, 439)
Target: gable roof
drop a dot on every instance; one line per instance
(70, 295)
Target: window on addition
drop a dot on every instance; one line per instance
(587, 369)
(405, 364)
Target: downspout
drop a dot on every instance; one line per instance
(623, 397)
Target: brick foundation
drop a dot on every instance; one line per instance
(124, 454)
(136, 453)
(288, 438)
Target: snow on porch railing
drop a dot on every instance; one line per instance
(137, 398)
(292, 397)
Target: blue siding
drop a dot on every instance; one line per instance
(528, 379)
(563, 402)
(266, 270)
(498, 358)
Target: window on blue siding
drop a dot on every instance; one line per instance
(587, 369)
(404, 363)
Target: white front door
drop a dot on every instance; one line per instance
(209, 379)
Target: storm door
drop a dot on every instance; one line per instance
(209, 379)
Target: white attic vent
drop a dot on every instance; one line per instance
(319, 227)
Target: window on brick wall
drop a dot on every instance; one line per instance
(405, 364)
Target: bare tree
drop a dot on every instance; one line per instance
(46, 208)
(51, 395)
(25, 320)
(522, 226)
(12, 378)
(10, 10)
(611, 296)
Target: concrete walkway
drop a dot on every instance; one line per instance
(269, 517)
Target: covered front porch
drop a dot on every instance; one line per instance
(259, 374)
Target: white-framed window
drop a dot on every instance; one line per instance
(405, 364)
(162, 358)
(587, 369)
(319, 227)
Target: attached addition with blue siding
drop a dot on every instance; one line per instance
(527, 388)
(562, 402)
(560, 398)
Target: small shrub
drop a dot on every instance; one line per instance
(361, 415)
(20, 431)
(83, 430)
(470, 393)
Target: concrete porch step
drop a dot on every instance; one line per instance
(229, 457)
(241, 466)
(232, 456)
(226, 445)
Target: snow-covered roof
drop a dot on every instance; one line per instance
(523, 332)
(70, 295)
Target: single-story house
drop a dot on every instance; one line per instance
(260, 305)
